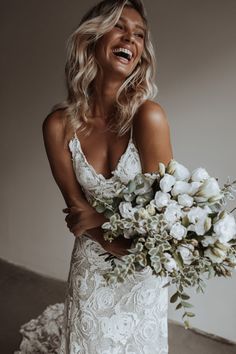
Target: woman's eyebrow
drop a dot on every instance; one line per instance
(136, 25)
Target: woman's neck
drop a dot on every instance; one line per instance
(104, 97)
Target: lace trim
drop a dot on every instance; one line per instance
(121, 159)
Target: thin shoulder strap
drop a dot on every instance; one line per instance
(131, 132)
(75, 135)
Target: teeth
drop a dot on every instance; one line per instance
(127, 51)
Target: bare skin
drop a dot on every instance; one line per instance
(103, 149)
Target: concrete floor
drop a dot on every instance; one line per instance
(24, 295)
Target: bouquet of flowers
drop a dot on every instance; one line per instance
(178, 224)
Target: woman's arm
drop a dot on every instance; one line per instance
(152, 135)
(61, 165)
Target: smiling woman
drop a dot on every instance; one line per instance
(106, 132)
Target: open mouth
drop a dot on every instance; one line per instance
(123, 53)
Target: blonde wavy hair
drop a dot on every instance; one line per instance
(81, 69)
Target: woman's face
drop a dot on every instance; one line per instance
(119, 50)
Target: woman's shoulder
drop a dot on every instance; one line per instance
(150, 115)
(55, 122)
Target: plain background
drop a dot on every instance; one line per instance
(196, 55)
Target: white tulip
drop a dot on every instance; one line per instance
(198, 227)
(171, 264)
(161, 169)
(199, 175)
(179, 171)
(225, 228)
(196, 214)
(167, 182)
(213, 257)
(194, 187)
(185, 200)
(178, 231)
(198, 217)
(209, 189)
(186, 253)
(161, 199)
(180, 187)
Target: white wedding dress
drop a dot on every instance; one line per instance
(122, 318)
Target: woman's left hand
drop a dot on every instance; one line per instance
(81, 219)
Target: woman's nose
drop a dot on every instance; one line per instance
(128, 36)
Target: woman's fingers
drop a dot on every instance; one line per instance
(72, 209)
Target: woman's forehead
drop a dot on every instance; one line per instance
(130, 14)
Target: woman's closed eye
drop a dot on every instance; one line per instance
(138, 34)
(118, 26)
(141, 35)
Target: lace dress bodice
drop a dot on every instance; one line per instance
(94, 183)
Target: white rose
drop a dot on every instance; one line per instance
(194, 187)
(126, 209)
(185, 200)
(225, 228)
(213, 257)
(186, 253)
(172, 213)
(167, 182)
(178, 231)
(199, 175)
(180, 187)
(180, 172)
(171, 264)
(161, 199)
(209, 189)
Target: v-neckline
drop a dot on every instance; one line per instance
(92, 168)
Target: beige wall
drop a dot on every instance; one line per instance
(195, 42)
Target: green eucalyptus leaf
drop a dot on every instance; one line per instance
(167, 284)
(152, 251)
(174, 297)
(108, 213)
(178, 259)
(100, 208)
(190, 314)
(184, 296)
(186, 304)
(157, 266)
(178, 306)
(186, 324)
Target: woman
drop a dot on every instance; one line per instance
(107, 129)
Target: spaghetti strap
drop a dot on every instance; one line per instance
(131, 132)
(75, 135)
